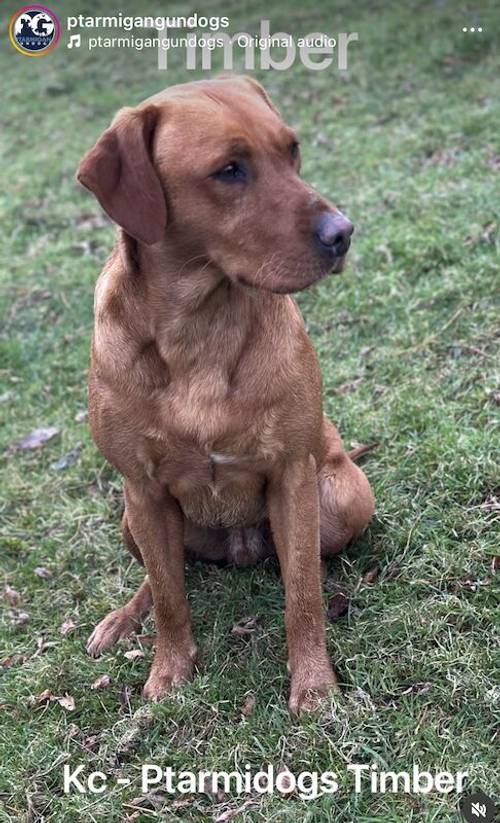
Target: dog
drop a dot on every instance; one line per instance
(204, 388)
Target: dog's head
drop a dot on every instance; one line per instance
(211, 169)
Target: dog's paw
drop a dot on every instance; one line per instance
(113, 627)
(166, 676)
(310, 687)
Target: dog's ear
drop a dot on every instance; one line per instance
(260, 91)
(119, 170)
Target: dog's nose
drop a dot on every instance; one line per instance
(334, 232)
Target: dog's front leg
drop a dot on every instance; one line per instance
(293, 507)
(156, 523)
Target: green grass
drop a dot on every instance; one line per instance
(407, 143)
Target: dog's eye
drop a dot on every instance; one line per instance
(295, 150)
(232, 173)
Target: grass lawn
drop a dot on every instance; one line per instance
(407, 142)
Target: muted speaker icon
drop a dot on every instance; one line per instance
(478, 807)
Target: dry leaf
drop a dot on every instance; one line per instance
(495, 564)
(43, 573)
(36, 438)
(82, 416)
(338, 606)
(101, 682)
(248, 706)
(418, 688)
(287, 783)
(369, 577)
(245, 626)
(45, 696)
(67, 459)
(154, 799)
(124, 698)
(230, 813)
(91, 743)
(12, 660)
(68, 627)
(67, 702)
(135, 654)
(350, 386)
(43, 645)
(21, 618)
(214, 791)
(12, 596)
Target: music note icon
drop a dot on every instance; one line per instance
(75, 41)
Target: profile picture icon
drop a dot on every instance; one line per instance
(34, 30)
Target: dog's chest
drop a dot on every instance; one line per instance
(214, 489)
(212, 454)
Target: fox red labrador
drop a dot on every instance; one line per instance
(205, 390)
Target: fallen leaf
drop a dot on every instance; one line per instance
(67, 702)
(369, 577)
(492, 502)
(91, 743)
(45, 696)
(214, 791)
(472, 585)
(68, 627)
(418, 688)
(338, 606)
(445, 156)
(124, 698)
(43, 573)
(12, 660)
(43, 645)
(489, 232)
(245, 626)
(248, 705)
(495, 564)
(287, 782)
(350, 386)
(230, 813)
(12, 596)
(67, 459)
(134, 654)
(155, 799)
(36, 438)
(72, 730)
(82, 416)
(101, 682)
(20, 618)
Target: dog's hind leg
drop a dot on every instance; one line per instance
(129, 540)
(345, 496)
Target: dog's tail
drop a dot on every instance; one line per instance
(362, 449)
